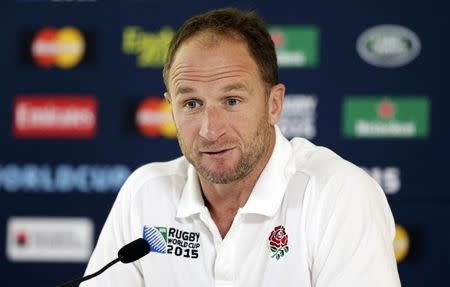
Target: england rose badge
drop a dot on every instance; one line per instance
(278, 242)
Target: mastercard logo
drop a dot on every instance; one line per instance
(63, 48)
(154, 118)
(401, 243)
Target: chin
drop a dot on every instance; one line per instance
(218, 175)
(220, 172)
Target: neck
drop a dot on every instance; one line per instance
(224, 200)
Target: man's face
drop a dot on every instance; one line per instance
(219, 107)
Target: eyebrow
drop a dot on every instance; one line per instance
(228, 88)
(184, 90)
(233, 87)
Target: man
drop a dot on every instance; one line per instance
(243, 206)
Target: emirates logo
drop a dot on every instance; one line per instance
(278, 242)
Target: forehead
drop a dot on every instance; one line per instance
(206, 41)
(208, 57)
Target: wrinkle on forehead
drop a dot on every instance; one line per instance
(206, 74)
(228, 61)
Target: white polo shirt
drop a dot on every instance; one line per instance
(330, 225)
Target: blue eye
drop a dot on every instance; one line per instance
(232, 102)
(191, 104)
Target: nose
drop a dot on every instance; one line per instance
(213, 123)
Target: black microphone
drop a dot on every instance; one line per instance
(129, 253)
(133, 251)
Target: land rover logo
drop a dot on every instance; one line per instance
(388, 46)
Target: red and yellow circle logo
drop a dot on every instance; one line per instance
(154, 118)
(63, 48)
(401, 243)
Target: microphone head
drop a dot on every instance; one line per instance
(133, 250)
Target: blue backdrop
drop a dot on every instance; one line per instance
(75, 171)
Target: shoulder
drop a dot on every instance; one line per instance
(323, 164)
(158, 175)
(338, 189)
(330, 177)
(339, 194)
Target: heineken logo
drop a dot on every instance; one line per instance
(388, 46)
(172, 241)
(278, 242)
(386, 117)
(296, 46)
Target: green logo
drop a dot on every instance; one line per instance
(296, 46)
(386, 117)
(163, 231)
(150, 48)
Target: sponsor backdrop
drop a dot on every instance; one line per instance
(81, 107)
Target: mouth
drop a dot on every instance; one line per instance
(218, 153)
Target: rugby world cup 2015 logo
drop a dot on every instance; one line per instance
(157, 238)
(171, 240)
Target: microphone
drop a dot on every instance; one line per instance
(133, 251)
(129, 253)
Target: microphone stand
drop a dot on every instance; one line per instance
(87, 277)
(129, 253)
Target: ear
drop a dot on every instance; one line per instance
(169, 100)
(275, 103)
(167, 97)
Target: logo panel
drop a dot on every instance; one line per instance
(170, 240)
(49, 116)
(50, 47)
(150, 48)
(154, 118)
(62, 178)
(298, 118)
(63, 47)
(386, 117)
(47, 239)
(388, 46)
(296, 46)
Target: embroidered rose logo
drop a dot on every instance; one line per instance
(278, 241)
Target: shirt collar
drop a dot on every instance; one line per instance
(271, 185)
(191, 201)
(267, 194)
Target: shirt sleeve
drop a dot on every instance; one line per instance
(352, 232)
(115, 234)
